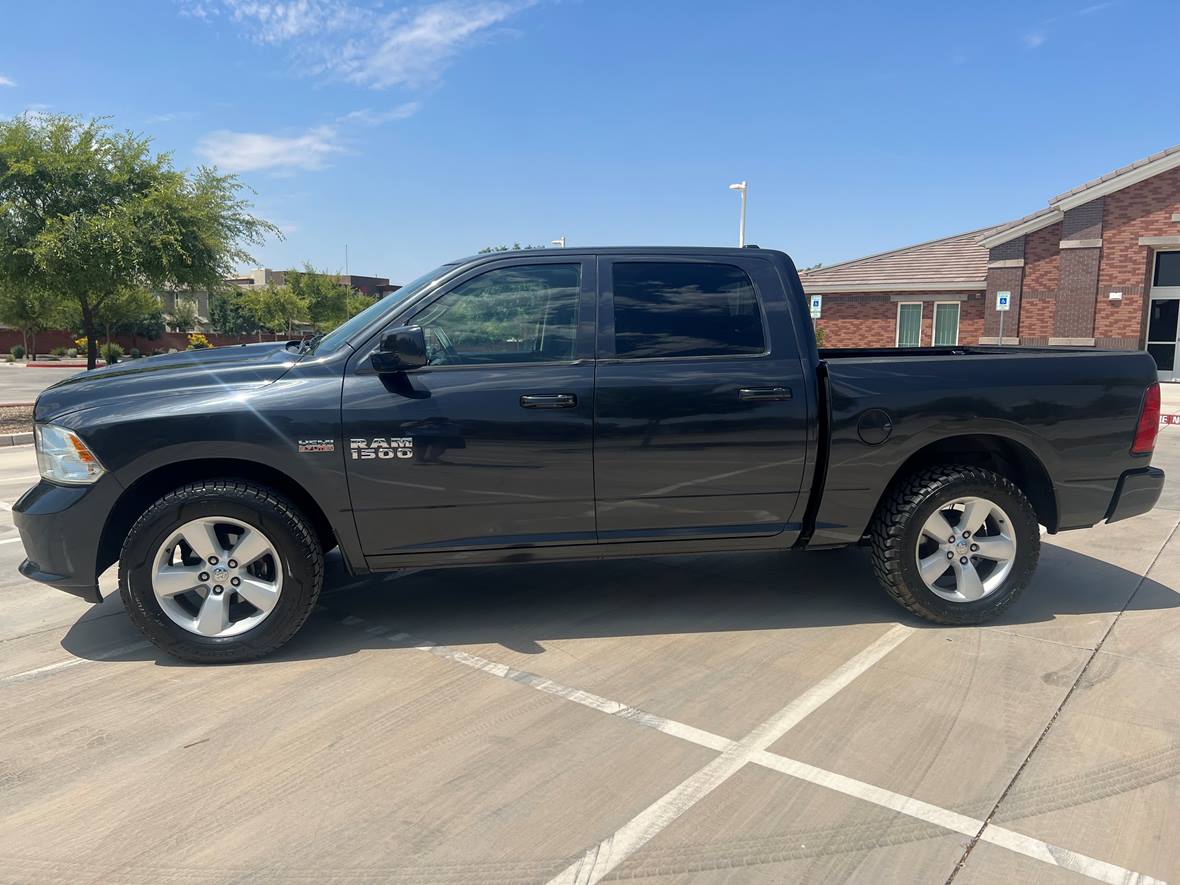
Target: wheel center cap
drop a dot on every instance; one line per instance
(962, 546)
(220, 574)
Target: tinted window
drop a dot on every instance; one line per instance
(509, 315)
(690, 309)
(1167, 269)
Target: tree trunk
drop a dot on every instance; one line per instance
(32, 354)
(88, 331)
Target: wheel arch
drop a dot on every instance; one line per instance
(154, 484)
(1009, 458)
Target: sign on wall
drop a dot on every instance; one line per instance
(817, 303)
(1003, 301)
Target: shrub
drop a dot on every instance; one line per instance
(820, 335)
(197, 341)
(134, 353)
(18, 351)
(110, 352)
(71, 351)
(58, 351)
(80, 345)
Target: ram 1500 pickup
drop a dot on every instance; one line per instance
(572, 404)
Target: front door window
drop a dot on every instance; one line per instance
(1163, 320)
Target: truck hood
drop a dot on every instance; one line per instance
(188, 373)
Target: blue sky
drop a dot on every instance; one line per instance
(420, 132)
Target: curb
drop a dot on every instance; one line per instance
(15, 405)
(60, 364)
(16, 439)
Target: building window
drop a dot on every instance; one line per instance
(1167, 269)
(946, 323)
(666, 308)
(909, 324)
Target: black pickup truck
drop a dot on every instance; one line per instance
(572, 404)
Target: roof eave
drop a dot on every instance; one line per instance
(1037, 222)
(1067, 201)
(893, 286)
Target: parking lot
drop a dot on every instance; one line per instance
(714, 719)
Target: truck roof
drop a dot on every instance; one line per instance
(624, 250)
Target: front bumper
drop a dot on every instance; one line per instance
(1136, 493)
(61, 528)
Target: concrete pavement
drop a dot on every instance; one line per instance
(767, 718)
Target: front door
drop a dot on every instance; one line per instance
(1162, 326)
(490, 444)
(701, 409)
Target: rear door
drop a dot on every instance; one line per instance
(488, 445)
(700, 403)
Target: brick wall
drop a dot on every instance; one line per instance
(1042, 264)
(869, 319)
(1142, 210)
(1037, 313)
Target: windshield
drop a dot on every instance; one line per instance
(332, 340)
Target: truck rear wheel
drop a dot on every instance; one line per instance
(220, 571)
(955, 544)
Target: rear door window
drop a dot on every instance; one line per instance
(685, 309)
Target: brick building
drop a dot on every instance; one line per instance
(1098, 267)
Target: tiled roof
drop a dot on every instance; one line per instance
(956, 262)
(1117, 172)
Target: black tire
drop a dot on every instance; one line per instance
(294, 541)
(898, 525)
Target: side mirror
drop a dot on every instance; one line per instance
(401, 349)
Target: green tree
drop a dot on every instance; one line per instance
(326, 299)
(230, 315)
(88, 212)
(30, 310)
(515, 247)
(357, 302)
(277, 308)
(184, 315)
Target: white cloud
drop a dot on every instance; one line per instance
(171, 117)
(369, 117)
(1033, 39)
(258, 151)
(7, 81)
(364, 43)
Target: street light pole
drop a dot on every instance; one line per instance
(741, 186)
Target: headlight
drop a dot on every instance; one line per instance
(63, 457)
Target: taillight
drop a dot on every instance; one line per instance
(1149, 422)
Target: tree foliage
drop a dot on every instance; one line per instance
(326, 299)
(184, 315)
(229, 314)
(275, 308)
(30, 310)
(87, 212)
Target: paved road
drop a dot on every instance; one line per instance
(718, 719)
(21, 385)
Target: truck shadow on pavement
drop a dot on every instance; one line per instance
(521, 606)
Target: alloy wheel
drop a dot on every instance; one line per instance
(217, 577)
(967, 548)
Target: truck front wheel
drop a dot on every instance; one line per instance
(955, 544)
(220, 571)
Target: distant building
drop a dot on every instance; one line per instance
(1099, 266)
(375, 287)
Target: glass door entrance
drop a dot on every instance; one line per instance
(1165, 312)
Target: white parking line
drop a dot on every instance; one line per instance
(74, 662)
(598, 861)
(1037, 849)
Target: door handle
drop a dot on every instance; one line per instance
(755, 394)
(548, 401)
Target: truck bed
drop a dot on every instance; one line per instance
(1065, 416)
